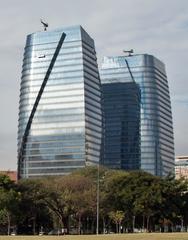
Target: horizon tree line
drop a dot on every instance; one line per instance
(128, 202)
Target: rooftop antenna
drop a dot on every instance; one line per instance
(130, 52)
(127, 63)
(45, 25)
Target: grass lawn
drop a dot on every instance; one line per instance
(140, 236)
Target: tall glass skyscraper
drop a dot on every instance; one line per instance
(65, 132)
(156, 130)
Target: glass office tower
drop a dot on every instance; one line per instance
(121, 111)
(156, 130)
(65, 133)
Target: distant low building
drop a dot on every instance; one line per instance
(12, 174)
(181, 167)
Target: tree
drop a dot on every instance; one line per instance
(32, 208)
(117, 217)
(83, 197)
(95, 174)
(174, 199)
(69, 196)
(9, 200)
(144, 199)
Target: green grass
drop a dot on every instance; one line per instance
(140, 236)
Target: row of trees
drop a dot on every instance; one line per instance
(127, 201)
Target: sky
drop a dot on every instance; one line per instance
(156, 27)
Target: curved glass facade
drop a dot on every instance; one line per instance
(66, 129)
(156, 130)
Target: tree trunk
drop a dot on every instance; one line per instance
(79, 224)
(147, 226)
(182, 223)
(134, 223)
(65, 222)
(93, 225)
(104, 225)
(8, 226)
(119, 227)
(34, 226)
(116, 227)
(143, 223)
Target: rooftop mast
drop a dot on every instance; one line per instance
(45, 25)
